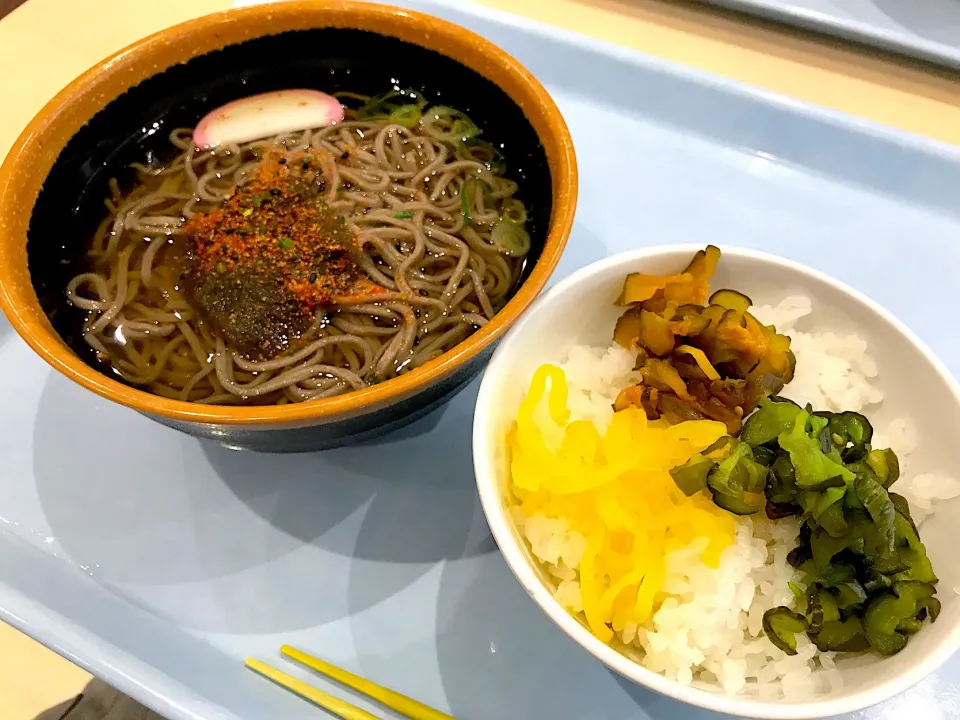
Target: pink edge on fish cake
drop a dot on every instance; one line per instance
(265, 115)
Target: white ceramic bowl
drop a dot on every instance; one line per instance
(580, 310)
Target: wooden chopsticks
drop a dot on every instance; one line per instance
(413, 709)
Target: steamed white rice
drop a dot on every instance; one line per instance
(709, 629)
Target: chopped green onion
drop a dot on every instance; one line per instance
(248, 212)
(489, 155)
(511, 240)
(406, 115)
(384, 105)
(464, 128)
(285, 243)
(514, 212)
(445, 123)
(404, 215)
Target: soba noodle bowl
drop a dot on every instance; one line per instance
(437, 230)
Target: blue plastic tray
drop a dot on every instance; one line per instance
(158, 562)
(924, 29)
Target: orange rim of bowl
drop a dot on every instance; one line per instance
(25, 169)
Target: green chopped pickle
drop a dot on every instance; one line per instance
(842, 636)
(878, 503)
(772, 417)
(729, 480)
(691, 477)
(782, 625)
(885, 464)
(850, 594)
(850, 433)
(738, 473)
(764, 455)
(832, 518)
(909, 626)
(836, 481)
(864, 579)
(814, 609)
(810, 464)
(932, 606)
(782, 482)
(881, 620)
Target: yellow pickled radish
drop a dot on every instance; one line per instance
(614, 489)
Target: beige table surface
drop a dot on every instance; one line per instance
(45, 43)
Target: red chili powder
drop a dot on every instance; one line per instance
(277, 240)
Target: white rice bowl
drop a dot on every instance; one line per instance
(710, 629)
(706, 642)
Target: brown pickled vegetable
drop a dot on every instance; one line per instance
(689, 286)
(700, 358)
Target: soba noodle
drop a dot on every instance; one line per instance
(426, 228)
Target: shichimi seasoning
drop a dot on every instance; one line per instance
(263, 262)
